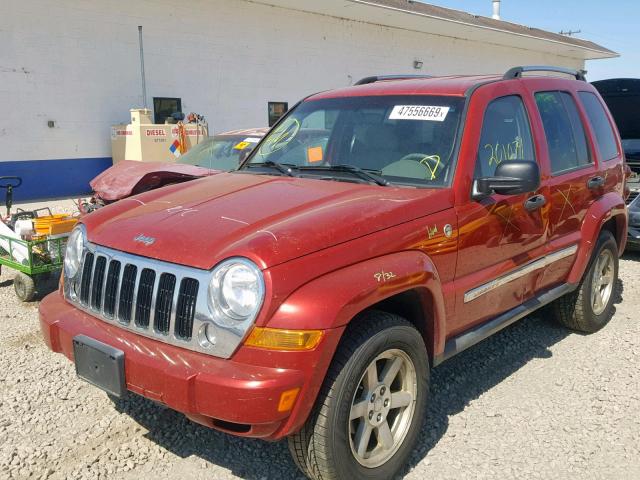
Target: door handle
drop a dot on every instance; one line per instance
(595, 183)
(534, 203)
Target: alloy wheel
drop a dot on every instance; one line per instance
(382, 408)
(602, 281)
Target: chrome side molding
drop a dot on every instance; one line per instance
(520, 272)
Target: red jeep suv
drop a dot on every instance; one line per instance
(308, 294)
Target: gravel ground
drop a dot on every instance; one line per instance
(534, 401)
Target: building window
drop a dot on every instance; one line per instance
(276, 111)
(164, 107)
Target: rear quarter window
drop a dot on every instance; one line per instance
(605, 136)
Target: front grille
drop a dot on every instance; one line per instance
(111, 289)
(85, 284)
(632, 196)
(139, 295)
(127, 289)
(186, 308)
(164, 302)
(145, 297)
(98, 282)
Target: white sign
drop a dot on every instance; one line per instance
(419, 112)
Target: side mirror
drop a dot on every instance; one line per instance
(512, 177)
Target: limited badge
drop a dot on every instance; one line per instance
(448, 230)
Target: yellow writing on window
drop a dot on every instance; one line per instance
(432, 162)
(505, 151)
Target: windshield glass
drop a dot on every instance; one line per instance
(404, 139)
(220, 152)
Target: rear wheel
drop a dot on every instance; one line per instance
(25, 287)
(372, 405)
(590, 307)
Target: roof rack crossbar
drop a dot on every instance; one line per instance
(516, 72)
(381, 78)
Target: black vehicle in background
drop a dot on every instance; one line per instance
(622, 96)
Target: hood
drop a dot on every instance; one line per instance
(128, 177)
(268, 219)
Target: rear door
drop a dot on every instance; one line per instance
(573, 179)
(498, 236)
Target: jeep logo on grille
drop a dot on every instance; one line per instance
(144, 239)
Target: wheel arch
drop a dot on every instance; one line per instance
(405, 283)
(607, 213)
(417, 307)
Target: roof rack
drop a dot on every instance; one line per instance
(381, 78)
(516, 72)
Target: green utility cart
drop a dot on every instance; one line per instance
(33, 259)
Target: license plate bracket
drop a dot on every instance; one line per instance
(100, 364)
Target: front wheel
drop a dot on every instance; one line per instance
(372, 405)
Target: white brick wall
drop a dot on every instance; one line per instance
(76, 62)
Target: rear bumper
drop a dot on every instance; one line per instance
(240, 396)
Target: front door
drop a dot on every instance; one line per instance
(498, 235)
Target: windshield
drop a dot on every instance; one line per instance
(404, 139)
(220, 152)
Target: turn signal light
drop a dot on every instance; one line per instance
(289, 340)
(287, 399)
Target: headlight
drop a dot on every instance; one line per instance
(236, 290)
(73, 255)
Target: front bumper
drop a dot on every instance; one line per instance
(240, 395)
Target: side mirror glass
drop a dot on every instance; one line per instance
(512, 177)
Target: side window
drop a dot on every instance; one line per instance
(506, 135)
(606, 140)
(565, 133)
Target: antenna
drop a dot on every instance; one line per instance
(144, 80)
(570, 33)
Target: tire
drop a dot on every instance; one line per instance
(25, 287)
(326, 446)
(579, 310)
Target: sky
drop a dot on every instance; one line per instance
(614, 24)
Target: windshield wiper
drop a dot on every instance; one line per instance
(285, 170)
(370, 176)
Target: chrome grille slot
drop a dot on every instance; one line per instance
(85, 283)
(144, 298)
(98, 283)
(127, 289)
(111, 288)
(187, 299)
(164, 302)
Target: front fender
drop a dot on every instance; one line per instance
(331, 301)
(610, 205)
